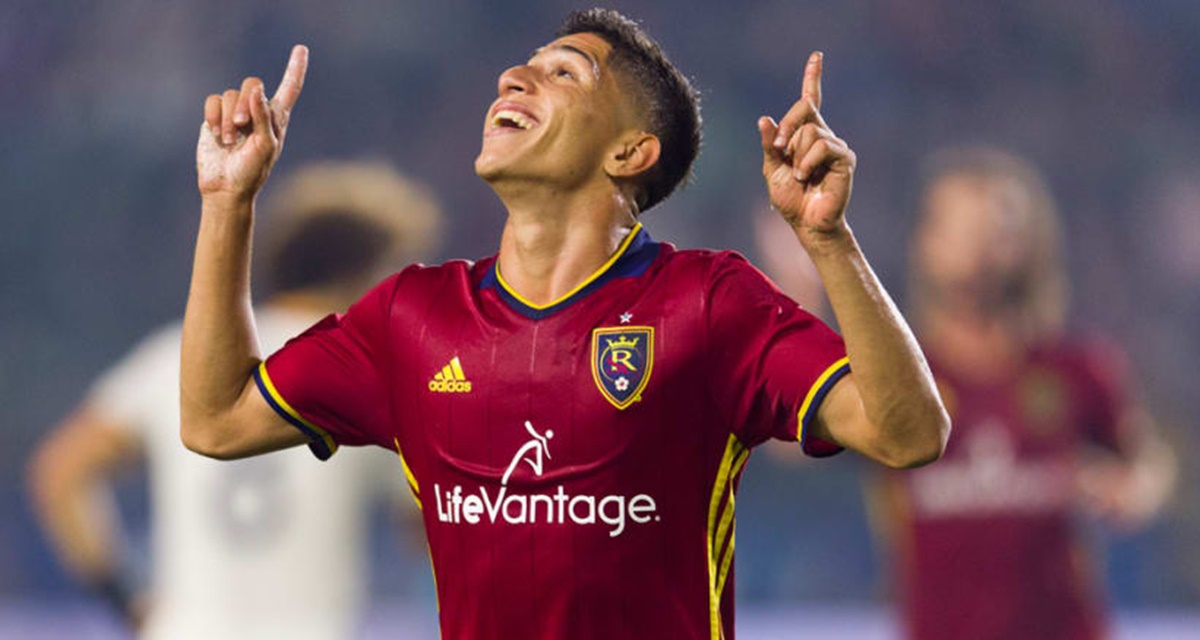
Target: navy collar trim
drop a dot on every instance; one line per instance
(632, 259)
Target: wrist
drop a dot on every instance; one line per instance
(825, 243)
(119, 591)
(228, 199)
(227, 204)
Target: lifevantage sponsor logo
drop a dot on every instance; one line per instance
(459, 506)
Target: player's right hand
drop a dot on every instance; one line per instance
(242, 135)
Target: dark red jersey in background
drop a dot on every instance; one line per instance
(988, 537)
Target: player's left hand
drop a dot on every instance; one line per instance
(809, 170)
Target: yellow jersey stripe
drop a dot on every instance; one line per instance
(729, 525)
(599, 272)
(404, 464)
(732, 449)
(727, 514)
(726, 563)
(269, 385)
(414, 488)
(808, 406)
(456, 366)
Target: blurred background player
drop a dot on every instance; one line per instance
(241, 549)
(989, 543)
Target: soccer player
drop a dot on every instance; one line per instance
(240, 550)
(986, 543)
(573, 413)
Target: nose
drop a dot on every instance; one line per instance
(515, 80)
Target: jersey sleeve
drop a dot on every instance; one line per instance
(141, 390)
(330, 381)
(772, 362)
(1103, 379)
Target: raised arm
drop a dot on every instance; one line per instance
(887, 409)
(222, 413)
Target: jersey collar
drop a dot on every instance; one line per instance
(631, 259)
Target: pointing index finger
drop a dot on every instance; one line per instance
(811, 88)
(293, 80)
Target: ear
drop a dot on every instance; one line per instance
(633, 154)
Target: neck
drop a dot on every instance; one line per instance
(554, 241)
(974, 344)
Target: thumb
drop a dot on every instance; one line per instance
(772, 157)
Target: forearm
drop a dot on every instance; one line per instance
(68, 480)
(1151, 471)
(906, 423)
(220, 345)
(79, 518)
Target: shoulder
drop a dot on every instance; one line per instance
(419, 280)
(433, 275)
(1088, 356)
(158, 348)
(726, 286)
(708, 265)
(143, 379)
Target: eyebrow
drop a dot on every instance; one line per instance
(592, 61)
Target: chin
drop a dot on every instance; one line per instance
(487, 167)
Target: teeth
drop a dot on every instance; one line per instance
(515, 117)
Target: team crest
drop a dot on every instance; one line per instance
(1043, 399)
(622, 358)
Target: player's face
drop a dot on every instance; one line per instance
(973, 237)
(556, 115)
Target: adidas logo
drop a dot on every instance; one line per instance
(450, 379)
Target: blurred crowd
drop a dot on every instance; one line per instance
(97, 192)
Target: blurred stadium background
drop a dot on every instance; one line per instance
(97, 191)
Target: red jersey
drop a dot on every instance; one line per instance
(988, 543)
(576, 463)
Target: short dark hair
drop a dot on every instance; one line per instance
(340, 224)
(328, 248)
(671, 105)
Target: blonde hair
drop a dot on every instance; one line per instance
(1041, 302)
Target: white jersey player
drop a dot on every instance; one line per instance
(266, 547)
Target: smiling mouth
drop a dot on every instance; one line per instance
(510, 119)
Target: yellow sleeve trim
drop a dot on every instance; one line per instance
(816, 393)
(289, 412)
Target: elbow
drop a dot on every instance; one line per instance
(914, 457)
(924, 442)
(203, 436)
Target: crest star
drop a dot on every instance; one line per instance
(626, 317)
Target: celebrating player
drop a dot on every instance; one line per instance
(985, 544)
(234, 544)
(632, 378)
